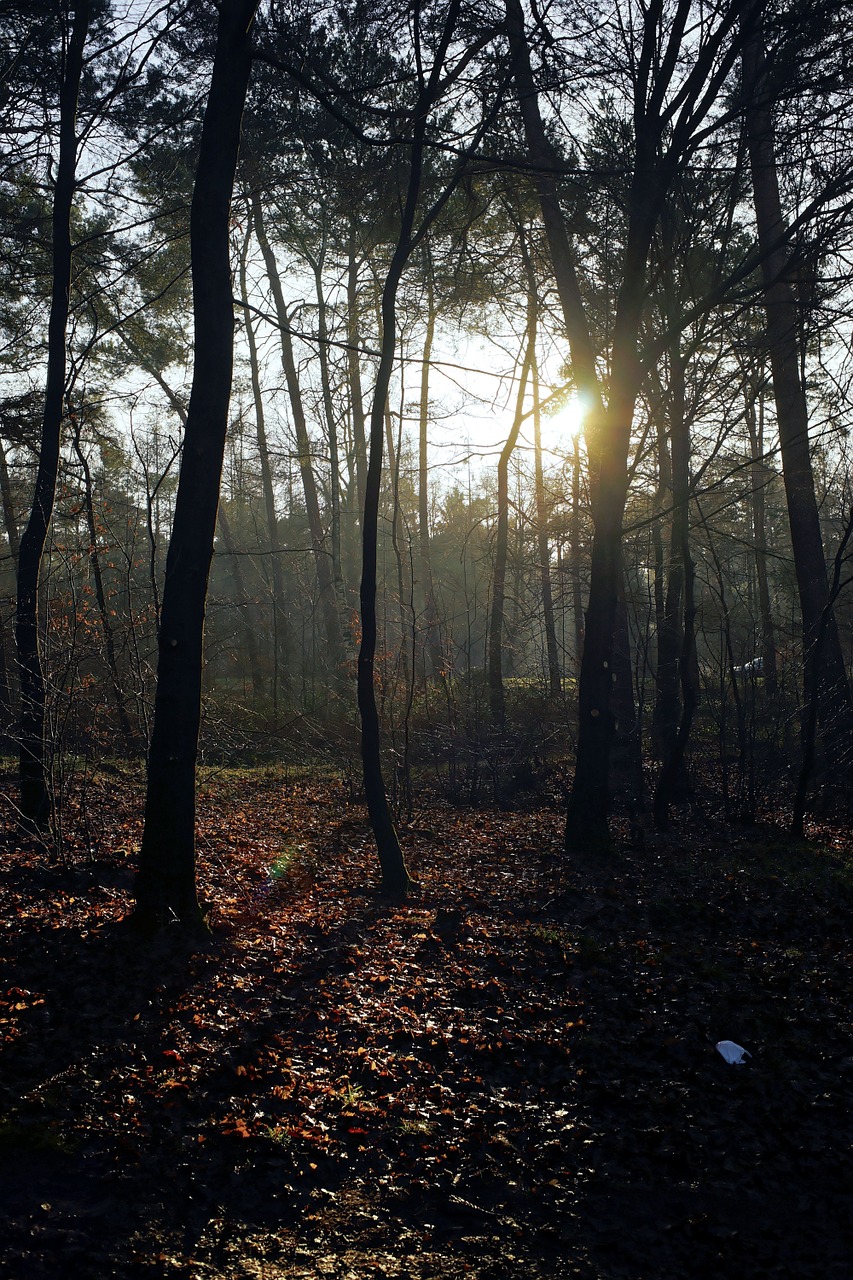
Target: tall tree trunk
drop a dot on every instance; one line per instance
(395, 877)
(494, 664)
(677, 724)
(397, 539)
(331, 425)
(554, 682)
(627, 744)
(396, 881)
(608, 437)
(166, 884)
(35, 800)
(661, 713)
(7, 684)
(9, 519)
(127, 733)
(833, 698)
(759, 473)
(430, 611)
(322, 557)
(356, 394)
(575, 558)
(281, 672)
(246, 617)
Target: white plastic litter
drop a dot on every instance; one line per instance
(732, 1052)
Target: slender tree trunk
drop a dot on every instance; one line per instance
(678, 720)
(35, 800)
(494, 665)
(331, 426)
(662, 712)
(397, 540)
(395, 877)
(246, 618)
(430, 611)
(322, 557)
(555, 684)
(356, 395)
(671, 635)
(627, 744)
(166, 883)
(127, 733)
(281, 672)
(396, 881)
(9, 520)
(758, 480)
(575, 558)
(7, 684)
(834, 704)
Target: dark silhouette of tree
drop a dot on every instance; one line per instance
(832, 696)
(35, 798)
(165, 886)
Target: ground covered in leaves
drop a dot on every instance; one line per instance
(512, 1075)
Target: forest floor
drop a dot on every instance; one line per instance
(513, 1075)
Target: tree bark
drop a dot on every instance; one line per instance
(833, 697)
(35, 800)
(331, 426)
(165, 886)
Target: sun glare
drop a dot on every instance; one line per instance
(570, 419)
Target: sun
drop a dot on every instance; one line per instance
(570, 419)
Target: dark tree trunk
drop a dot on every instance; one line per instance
(608, 432)
(662, 713)
(627, 744)
(575, 558)
(7, 683)
(35, 800)
(166, 882)
(833, 699)
(396, 881)
(586, 821)
(9, 520)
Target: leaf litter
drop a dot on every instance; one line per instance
(514, 1073)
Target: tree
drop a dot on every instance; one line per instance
(165, 887)
(832, 696)
(669, 106)
(35, 799)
